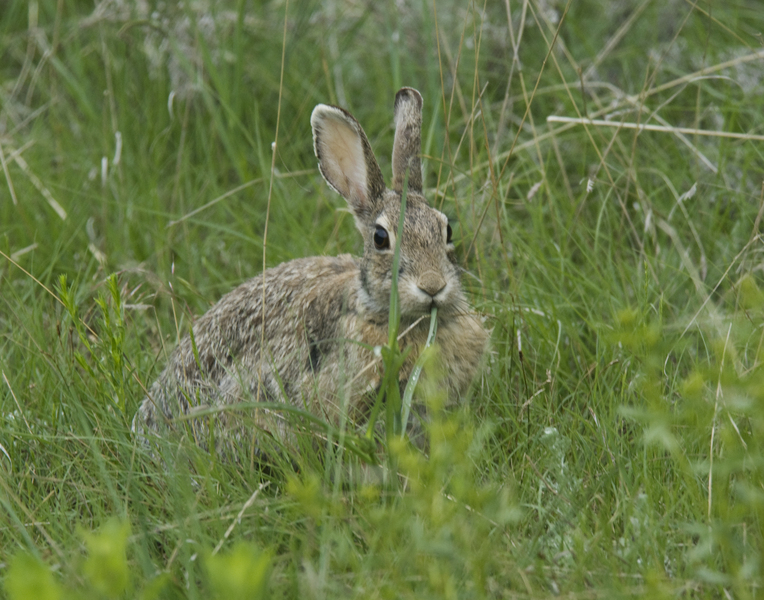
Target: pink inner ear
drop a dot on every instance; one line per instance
(354, 172)
(357, 192)
(343, 157)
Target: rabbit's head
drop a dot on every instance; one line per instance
(428, 272)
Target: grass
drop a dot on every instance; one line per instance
(612, 446)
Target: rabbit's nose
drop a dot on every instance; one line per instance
(431, 283)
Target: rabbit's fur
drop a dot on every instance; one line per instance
(318, 309)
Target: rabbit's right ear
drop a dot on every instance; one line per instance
(408, 140)
(345, 158)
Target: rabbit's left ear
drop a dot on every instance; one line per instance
(346, 160)
(408, 140)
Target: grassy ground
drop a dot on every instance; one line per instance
(613, 445)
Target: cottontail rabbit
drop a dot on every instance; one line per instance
(323, 315)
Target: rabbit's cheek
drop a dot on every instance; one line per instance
(415, 302)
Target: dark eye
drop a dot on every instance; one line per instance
(381, 239)
(448, 234)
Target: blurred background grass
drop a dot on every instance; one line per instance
(611, 447)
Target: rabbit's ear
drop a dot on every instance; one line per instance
(408, 139)
(345, 158)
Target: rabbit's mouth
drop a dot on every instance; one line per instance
(417, 312)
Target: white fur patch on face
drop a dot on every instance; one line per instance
(413, 294)
(340, 152)
(416, 302)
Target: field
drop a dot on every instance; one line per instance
(602, 164)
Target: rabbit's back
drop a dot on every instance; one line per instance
(308, 303)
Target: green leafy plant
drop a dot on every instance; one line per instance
(103, 360)
(28, 577)
(106, 567)
(240, 574)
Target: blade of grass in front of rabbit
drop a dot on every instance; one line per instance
(393, 362)
(389, 392)
(394, 318)
(408, 393)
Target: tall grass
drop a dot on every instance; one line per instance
(612, 445)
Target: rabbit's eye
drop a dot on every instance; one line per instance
(449, 233)
(381, 238)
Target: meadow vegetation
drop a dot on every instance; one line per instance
(614, 443)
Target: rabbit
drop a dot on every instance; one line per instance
(324, 315)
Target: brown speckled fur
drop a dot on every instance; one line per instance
(316, 309)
